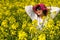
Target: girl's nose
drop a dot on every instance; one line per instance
(39, 12)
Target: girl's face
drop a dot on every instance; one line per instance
(39, 12)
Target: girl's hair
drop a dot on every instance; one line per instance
(40, 7)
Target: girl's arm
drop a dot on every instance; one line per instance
(54, 11)
(30, 12)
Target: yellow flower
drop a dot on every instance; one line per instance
(35, 22)
(4, 23)
(7, 13)
(51, 36)
(42, 37)
(33, 3)
(12, 19)
(52, 32)
(16, 3)
(11, 5)
(49, 23)
(22, 35)
(56, 27)
(33, 29)
(58, 23)
(13, 32)
(34, 38)
(5, 8)
(2, 29)
(14, 26)
(43, 17)
(23, 26)
(20, 10)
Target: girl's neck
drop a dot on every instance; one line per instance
(41, 16)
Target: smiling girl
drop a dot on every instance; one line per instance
(38, 11)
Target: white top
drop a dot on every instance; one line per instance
(33, 16)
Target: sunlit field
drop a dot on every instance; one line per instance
(15, 24)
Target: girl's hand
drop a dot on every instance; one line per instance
(48, 8)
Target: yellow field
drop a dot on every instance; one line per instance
(15, 24)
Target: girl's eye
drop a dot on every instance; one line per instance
(38, 8)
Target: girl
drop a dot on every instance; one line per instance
(38, 11)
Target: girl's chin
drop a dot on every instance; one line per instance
(38, 15)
